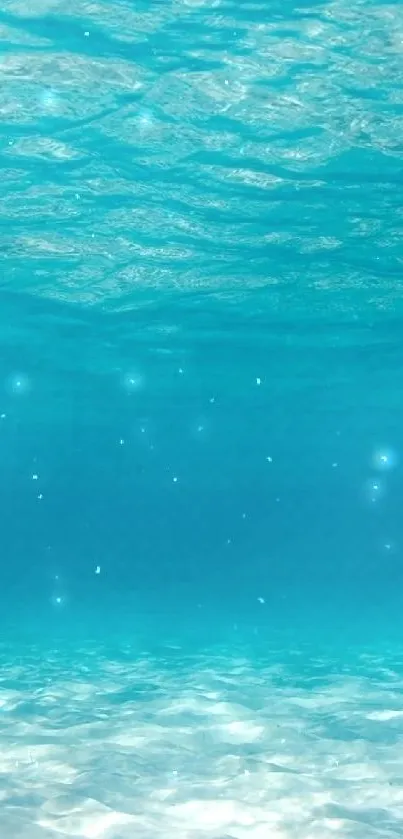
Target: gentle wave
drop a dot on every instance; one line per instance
(226, 148)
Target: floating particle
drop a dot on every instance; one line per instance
(40, 496)
(35, 477)
(175, 480)
(3, 416)
(98, 569)
(269, 459)
(258, 380)
(121, 442)
(384, 459)
(334, 465)
(18, 383)
(261, 600)
(58, 599)
(374, 490)
(132, 382)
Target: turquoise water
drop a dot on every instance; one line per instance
(201, 420)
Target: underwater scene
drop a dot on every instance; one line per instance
(201, 419)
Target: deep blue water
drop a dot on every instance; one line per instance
(201, 419)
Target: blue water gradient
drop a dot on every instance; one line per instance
(201, 419)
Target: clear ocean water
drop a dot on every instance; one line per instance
(201, 335)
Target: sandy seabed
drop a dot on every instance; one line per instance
(222, 744)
